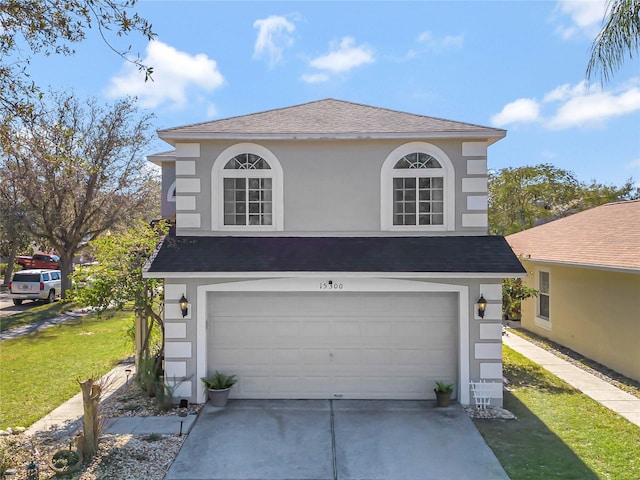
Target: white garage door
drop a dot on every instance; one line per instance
(333, 345)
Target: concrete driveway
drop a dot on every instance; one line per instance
(334, 439)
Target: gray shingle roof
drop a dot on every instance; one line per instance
(332, 118)
(463, 254)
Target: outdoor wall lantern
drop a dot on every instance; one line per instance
(184, 303)
(482, 306)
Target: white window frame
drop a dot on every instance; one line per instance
(171, 192)
(388, 173)
(218, 174)
(540, 321)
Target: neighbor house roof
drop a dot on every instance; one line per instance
(162, 157)
(607, 236)
(451, 255)
(331, 118)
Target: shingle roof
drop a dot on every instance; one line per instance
(605, 236)
(464, 254)
(334, 118)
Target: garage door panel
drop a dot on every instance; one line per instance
(377, 356)
(333, 345)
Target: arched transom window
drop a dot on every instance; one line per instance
(417, 189)
(247, 180)
(247, 191)
(418, 197)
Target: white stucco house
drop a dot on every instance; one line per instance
(331, 250)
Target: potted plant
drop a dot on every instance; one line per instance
(443, 393)
(66, 461)
(218, 386)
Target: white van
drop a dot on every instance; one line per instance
(35, 285)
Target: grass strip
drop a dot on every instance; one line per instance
(35, 314)
(560, 433)
(40, 371)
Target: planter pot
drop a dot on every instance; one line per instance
(65, 461)
(218, 398)
(443, 399)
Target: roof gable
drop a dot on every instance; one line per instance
(607, 236)
(331, 118)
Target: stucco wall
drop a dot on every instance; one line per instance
(594, 312)
(168, 177)
(330, 186)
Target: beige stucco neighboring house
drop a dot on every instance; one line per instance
(331, 250)
(587, 269)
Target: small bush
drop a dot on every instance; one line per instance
(148, 374)
(3, 268)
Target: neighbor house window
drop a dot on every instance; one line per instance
(543, 295)
(247, 189)
(417, 189)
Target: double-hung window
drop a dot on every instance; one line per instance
(543, 295)
(418, 193)
(247, 191)
(417, 189)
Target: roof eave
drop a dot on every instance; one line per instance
(173, 137)
(274, 274)
(594, 266)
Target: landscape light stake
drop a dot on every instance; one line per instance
(33, 471)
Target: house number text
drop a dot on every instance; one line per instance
(330, 285)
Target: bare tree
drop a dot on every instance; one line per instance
(14, 236)
(619, 38)
(80, 169)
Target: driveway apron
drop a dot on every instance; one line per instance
(329, 440)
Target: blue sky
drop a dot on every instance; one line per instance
(517, 65)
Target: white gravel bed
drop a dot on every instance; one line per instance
(121, 457)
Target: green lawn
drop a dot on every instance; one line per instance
(38, 372)
(40, 311)
(560, 433)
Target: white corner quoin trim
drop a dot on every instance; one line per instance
(351, 285)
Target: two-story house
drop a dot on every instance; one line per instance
(331, 250)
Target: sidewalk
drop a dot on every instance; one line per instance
(66, 419)
(611, 397)
(49, 322)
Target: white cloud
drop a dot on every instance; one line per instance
(174, 72)
(523, 110)
(447, 42)
(315, 77)
(581, 106)
(564, 92)
(573, 106)
(273, 38)
(344, 56)
(634, 163)
(585, 17)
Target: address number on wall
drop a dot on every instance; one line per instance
(330, 285)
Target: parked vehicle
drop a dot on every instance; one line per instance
(39, 260)
(35, 285)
